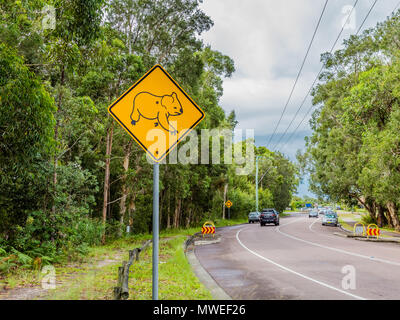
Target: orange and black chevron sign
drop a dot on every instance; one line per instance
(208, 230)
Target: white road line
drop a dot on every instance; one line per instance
(295, 272)
(336, 249)
(310, 226)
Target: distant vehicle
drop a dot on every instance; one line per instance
(338, 208)
(269, 216)
(322, 211)
(254, 217)
(313, 214)
(330, 218)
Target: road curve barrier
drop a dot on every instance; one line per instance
(373, 230)
(208, 228)
(359, 229)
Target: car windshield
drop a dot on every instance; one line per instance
(332, 216)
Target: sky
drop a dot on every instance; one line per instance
(268, 39)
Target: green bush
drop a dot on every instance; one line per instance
(367, 219)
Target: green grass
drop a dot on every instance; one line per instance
(176, 278)
(94, 276)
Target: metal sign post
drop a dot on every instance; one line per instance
(258, 157)
(156, 184)
(156, 96)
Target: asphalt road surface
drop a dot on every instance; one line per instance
(300, 259)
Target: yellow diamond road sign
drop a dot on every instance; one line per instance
(228, 204)
(156, 112)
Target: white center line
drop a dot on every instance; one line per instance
(335, 249)
(297, 273)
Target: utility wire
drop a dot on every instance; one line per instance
(310, 109)
(367, 16)
(299, 73)
(317, 77)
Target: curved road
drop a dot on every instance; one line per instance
(300, 259)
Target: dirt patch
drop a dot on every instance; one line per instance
(23, 293)
(37, 292)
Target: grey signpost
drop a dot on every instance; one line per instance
(156, 184)
(122, 108)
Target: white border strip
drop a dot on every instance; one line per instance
(297, 273)
(335, 249)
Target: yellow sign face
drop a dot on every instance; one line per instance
(228, 204)
(156, 112)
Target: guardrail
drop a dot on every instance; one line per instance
(121, 291)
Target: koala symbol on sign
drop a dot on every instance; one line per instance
(160, 108)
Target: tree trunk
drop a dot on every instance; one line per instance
(169, 211)
(107, 176)
(225, 194)
(381, 216)
(177, 213)
(389, 219)
(393, 215)
(55, 161)
(122, 203)
(188, 218)
(132, 208)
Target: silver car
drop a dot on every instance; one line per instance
(313, 214)
(330, 218)
(254, 217)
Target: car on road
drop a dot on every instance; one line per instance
(313, 214)
(269, 216)
(322, 211)
(254, 217)
(330, 218)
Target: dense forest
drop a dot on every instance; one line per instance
(353, 155)
(70, 177)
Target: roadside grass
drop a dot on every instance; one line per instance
(94, 276)
(176, 278)
(345, 225)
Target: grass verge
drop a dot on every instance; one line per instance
(94, 277)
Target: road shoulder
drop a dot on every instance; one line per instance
(216, 291)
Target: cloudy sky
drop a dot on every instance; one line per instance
(268, 39)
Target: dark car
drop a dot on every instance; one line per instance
(269, 216)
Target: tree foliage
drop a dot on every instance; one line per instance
(353, 154)
(69, 174)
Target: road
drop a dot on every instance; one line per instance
(300, 259)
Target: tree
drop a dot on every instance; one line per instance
(26, 129)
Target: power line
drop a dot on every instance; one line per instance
(311, 107)
(367, 16)
(317, 77)
(299, 73)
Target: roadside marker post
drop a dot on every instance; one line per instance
(156, 108)
(373, 230)
(208, 228)
(229, 204)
